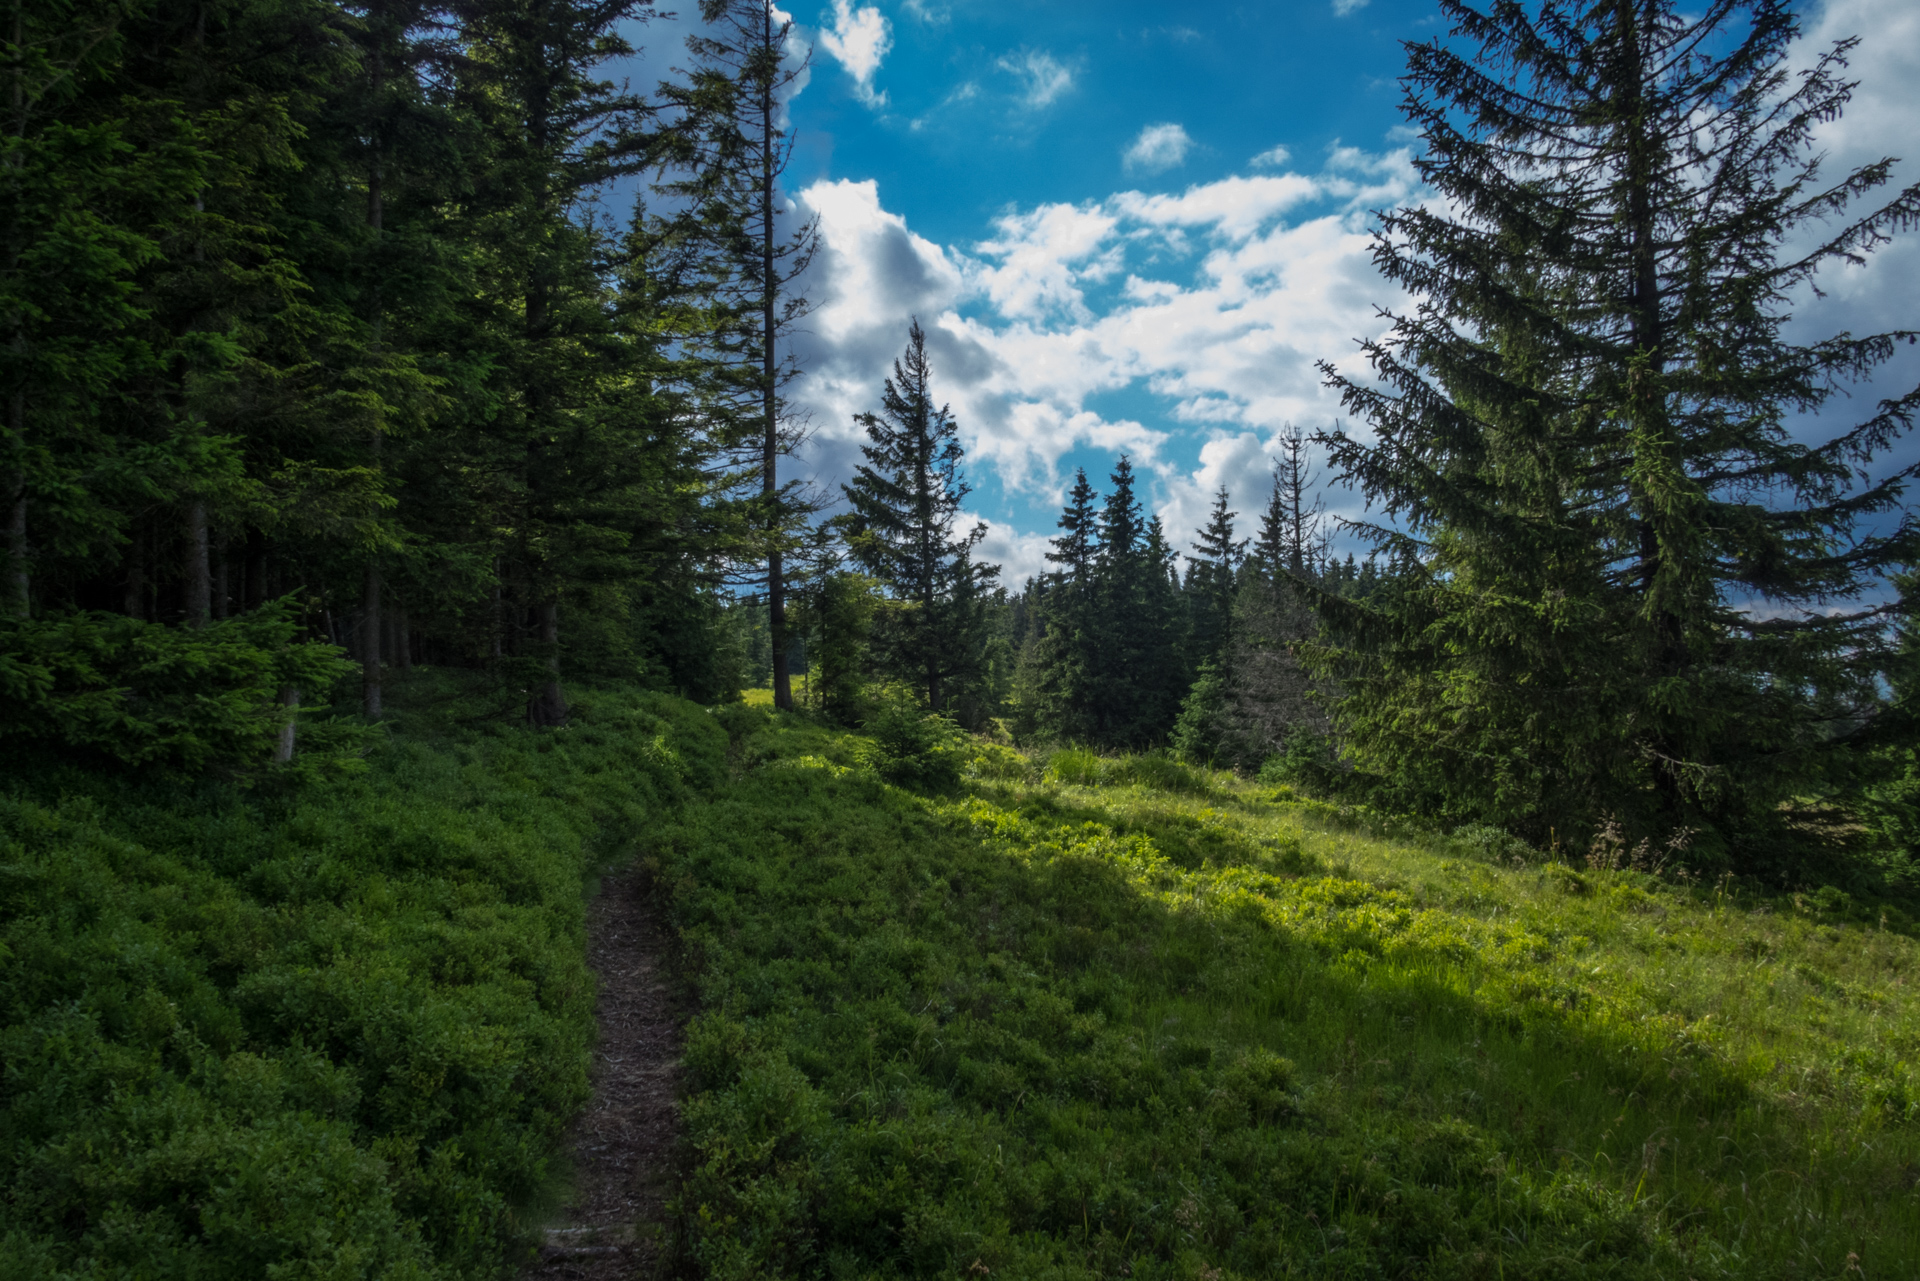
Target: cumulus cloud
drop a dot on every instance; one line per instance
(1019, 556)
(1214, 301)
(859, 40)
(1271, 158)
(1158, 148)
(1341, 8)
(1042, 76)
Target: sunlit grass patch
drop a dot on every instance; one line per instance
(1069, 1023)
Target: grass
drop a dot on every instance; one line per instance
(1088, 1019)
(1077, 1017)
(323, 1033)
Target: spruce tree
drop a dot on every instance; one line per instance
(1134, 673)
(1267, 698)
(905, 501)
(1623, 586)
(1211, 575)
(1056, 660)
(725, 154)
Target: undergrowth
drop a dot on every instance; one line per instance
(1076, 1019)
(321, 1033)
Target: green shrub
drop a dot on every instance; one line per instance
(914, 749)
(1080, 768)
(1075, 767)
(115, 691)
(1308, 760)
(1157, 772)
(1478, 840)
(998, 761)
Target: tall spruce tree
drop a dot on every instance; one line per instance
(905, 501)
(725, 155)
(1267, 698)
(1212, 572)
(1627, 585)
(1056, 661)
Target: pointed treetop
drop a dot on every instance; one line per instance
(1122, 532)
(1074, 549)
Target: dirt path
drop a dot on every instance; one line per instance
(622, 1146)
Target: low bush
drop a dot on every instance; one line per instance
(1080, 768)
(332, 1033)
(914, 749)
(107, 691)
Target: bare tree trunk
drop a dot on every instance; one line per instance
(499, 619)
(402, 639)
(548, 707)
(290, 704)
(222, 576)
(370, 655)
(135, 602)
(370, 642)
(256, 569)
(18, 582)
(199, 584)
(769, 331)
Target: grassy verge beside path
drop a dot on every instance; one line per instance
(1040, 1029)
(330, 1035)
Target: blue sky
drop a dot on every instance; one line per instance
(1135, 227)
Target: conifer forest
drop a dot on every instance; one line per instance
(423, 638)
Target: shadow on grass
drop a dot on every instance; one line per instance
(1018, 1044)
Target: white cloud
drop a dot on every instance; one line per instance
(1042, 76)
(1218, 299)
(1341, 8)
(1045, 256)
(1271, 158)
(1158, 148)
(859, 40)
(932, 14)
(1019, 556)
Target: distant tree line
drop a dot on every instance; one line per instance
(322, 334)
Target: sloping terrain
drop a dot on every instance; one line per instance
(1175, 1025)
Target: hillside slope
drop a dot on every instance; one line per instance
(1172, 1025)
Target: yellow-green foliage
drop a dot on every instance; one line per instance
(1047, 1030)
(327, 1035)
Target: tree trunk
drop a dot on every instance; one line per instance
(777, 630)
(499, 619)
(221, 578)
(290, 704)
(769, 331)
(401, 638)
(370, 642)
(256, 569)
(370, 589)
(18, 582)
(548, 706)
(199, 580)
(136, 598)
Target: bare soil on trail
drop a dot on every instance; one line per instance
(614, 1224)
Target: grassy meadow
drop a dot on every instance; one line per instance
(1059, 1016)
(314, 1032)
(1083, 1017)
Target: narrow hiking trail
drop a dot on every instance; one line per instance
(614, 1224)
